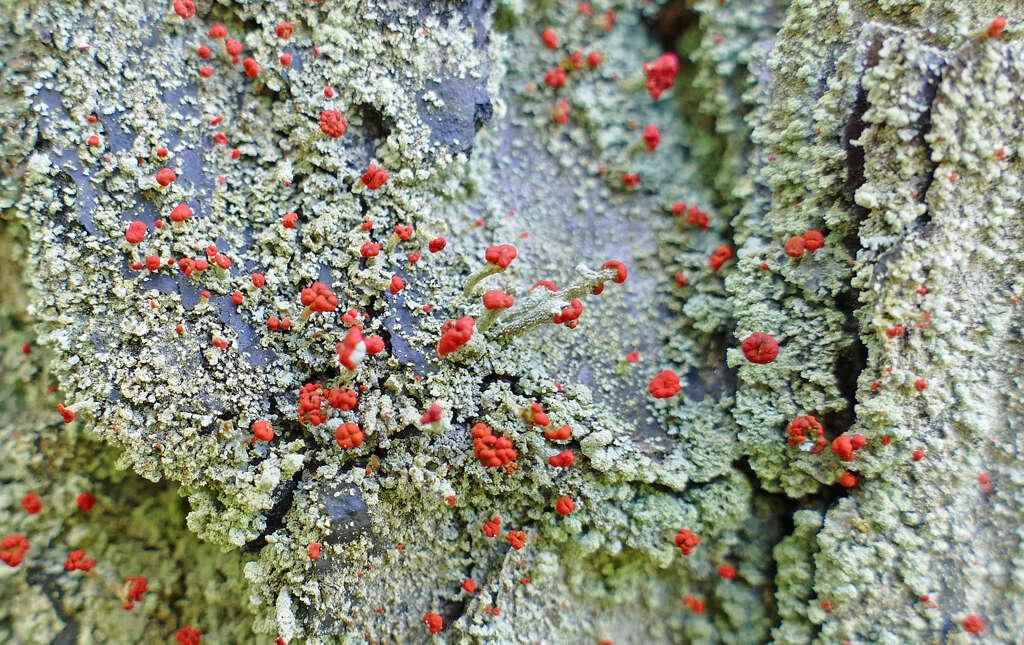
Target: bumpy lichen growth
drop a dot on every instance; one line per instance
(875, 123)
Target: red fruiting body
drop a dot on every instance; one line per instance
(85, 502)
(549, 38)
(93, 140)
(184, 8)
(353, 349)
(181, 213)
(661, 74)
(555, 77)
(620, 270)
(492, 451)
(374, 344)
(30, 502)
(895, 331)
(403, 232)
(560, 113)
(686, 540)
(847, 479)
(152, 263)
(719, 257)
(727, 572)
(812, 428)
(136, 232)
(204, 52)
(454, 336)
(681, 280)
(437, 244)
(570, 314)
(12, 548)
(795, 246)
(232, 47)
(995, 30)
(206, 71)
(594, 59)
(262, 430)
(286, 59)
(517, 539)
(652, 137)
(133, 592)
(547, 284)
(535, 414)
(258, 280)
(76, 561)
(492, 528)
(468, 585)
(561, 434)
(252, 68)
(236, 297)
(432, 415)
(413, 258)
(631, 179)
(501, 255)
(188, 636)
(348, 435)
(397, 284)
(374, 177)
(664, 385)
(332, 123)
(311, 404)
(165, 176)
(920, 385)
(564, 506)
(343, 400)
(917, 455)
(973, 623)
(760, 348)
(319, 297)
(313, 550)
(67, 415)
(563, 459)
(844, 446)
(632, 357)
(284, 30)
(813, 240)
(433, 622)
(697, 217)
(369, 250)
(694, 605)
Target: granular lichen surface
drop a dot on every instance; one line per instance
(820, 220)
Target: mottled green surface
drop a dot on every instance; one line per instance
(875, 122)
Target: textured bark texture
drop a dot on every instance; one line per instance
(893, 127)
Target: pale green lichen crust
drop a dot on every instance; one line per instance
(877, 123)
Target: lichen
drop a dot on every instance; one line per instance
(877, 123)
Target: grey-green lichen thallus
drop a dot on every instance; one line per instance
(176, 174)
